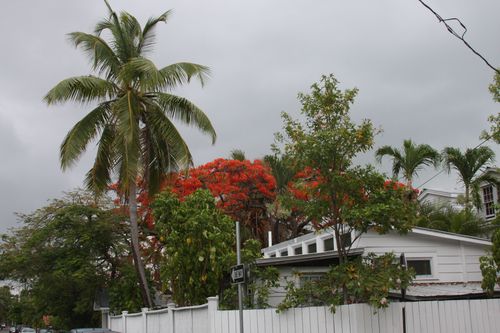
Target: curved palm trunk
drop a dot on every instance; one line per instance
(134, 236)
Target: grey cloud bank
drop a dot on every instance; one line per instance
(416, 81)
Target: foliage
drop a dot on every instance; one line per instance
(494, 132)
(134, 113)
(124, 295)
(241, 188)
(260, 280)
(410, 160)
(72, 243)
(286, 220)
(490, 265)
(365, 279)
(448, 218)
(495, 88)
(339, 194)
(6, 302)
(198, 244)
(468, 164)
(237, 154)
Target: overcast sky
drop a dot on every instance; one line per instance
(415, 79)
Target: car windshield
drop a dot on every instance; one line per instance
(28, 330)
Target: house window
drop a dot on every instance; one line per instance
(311, 248)
(284, 253)
(297, 250)
(273, 255)
(345, 239)
(328, 244)
(422, 267)
(489, 204)
(310, 277)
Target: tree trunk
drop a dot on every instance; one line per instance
(134, 237)
(467, 198)
(342, 258)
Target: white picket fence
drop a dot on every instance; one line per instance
(461, 316)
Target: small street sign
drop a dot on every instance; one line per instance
(238, 274)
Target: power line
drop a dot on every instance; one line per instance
(457, 35)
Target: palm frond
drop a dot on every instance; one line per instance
(237, 154)
(77, 139)
(181, 109)
(148, 35)
(143, 71)
(182, 72)
(82, 89)
(164, 148)
(126, 112)
(385, 151)
(99, 176)
(104, 59)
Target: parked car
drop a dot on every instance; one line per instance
(92, 330)
(28, 330)
(12, 329)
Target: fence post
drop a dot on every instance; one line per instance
(124, 319)
(213, 305)
(171, 314)
(105, 318)
(144, 320)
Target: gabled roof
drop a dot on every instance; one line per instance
(439, 193)
(451, 236)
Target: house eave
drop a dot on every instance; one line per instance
(302, 258)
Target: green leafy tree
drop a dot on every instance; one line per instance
(409, 160)
(6, 302)
(490, 265)
(341, 195)
(468, 165)
(344, 196)
(198, 244)
(63, 255)
(133, 116)
(367, 280)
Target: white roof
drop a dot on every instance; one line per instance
(446, 289)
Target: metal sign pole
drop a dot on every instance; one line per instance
(240, 286)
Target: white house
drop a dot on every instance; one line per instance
(446, 264)
(490, 195)
(439, 197)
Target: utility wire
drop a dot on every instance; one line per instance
(457, 35)
(442, 170)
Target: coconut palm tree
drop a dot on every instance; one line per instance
(132, 121)
(468, 165)
(410, 160)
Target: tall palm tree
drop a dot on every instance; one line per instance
(133, 116)
(410, 160)
(468, 165)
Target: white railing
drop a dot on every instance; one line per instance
(460, 316)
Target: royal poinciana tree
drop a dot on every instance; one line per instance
(132, 119)
(242, 190)
(338, 193)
